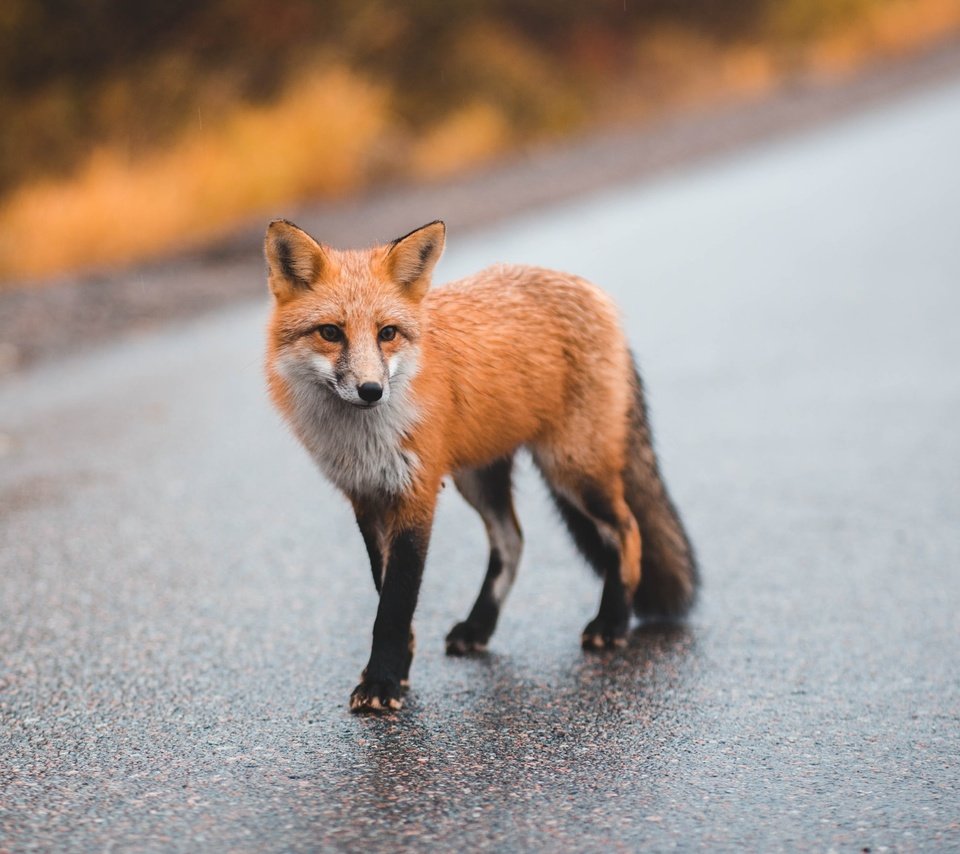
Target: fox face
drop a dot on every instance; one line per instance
(352, 349)
(350, 321)
(345, 339)
(357, 359)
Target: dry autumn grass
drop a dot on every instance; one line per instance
(313, 141)
(334, 132)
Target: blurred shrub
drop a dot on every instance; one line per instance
(313, 140)
(77, 73)
(802, 20)
(130, 126)
(466, 136)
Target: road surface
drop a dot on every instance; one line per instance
(184, 603)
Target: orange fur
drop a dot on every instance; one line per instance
(392, 386)
(511, 356)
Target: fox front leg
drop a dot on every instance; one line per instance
(373, 529)
(372, 523)
(390, 656)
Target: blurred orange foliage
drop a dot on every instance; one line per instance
(313, 141)
(386, 95)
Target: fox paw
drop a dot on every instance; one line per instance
(465, 638)
(376, 697)
(602, 634)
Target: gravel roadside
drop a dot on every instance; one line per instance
(41, 322)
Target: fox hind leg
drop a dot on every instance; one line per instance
(606, 533)
(488, 491)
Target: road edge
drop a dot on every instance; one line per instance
(44, 322)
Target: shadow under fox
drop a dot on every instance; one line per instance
(392, 386)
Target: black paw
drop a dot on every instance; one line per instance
(375, 696)
(465, 638)
(601, 633)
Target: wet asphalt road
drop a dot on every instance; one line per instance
(184, 603)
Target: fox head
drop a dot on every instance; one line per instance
(349, 321)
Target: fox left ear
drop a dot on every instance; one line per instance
(411, 258)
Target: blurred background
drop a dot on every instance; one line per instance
(769, 190)
(134, 129)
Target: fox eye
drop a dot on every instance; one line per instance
(329, 332)
(388, 333)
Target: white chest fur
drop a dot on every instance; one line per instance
(359, 450)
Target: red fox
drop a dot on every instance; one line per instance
(391, 386)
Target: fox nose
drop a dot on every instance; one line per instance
(370, 392)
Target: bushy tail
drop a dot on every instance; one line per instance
(668, 576)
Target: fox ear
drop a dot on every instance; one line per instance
(294, 259)
(411, 258)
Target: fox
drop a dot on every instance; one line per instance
(393, 386)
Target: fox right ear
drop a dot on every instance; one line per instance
(294, 259)
(411, 258)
